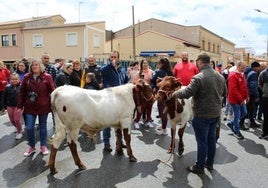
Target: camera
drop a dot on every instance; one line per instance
(33, 96)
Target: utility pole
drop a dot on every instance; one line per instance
(80, 2)
(133, 34)
(258, 10)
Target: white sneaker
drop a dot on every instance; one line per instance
(141, 122)
(18, 136)
(137, 125)
(159, 127)
(149, 124)
(161, 132)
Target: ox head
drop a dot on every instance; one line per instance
(167, 86)
(144, 91)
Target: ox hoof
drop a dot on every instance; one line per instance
(119, 152)
(170, 150)
(82, 167)
(180, 152)
(53, 171)
(132, 159)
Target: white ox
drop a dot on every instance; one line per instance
(91, 111)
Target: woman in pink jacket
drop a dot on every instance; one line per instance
(145, 105)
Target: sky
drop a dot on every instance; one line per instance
(236, 21)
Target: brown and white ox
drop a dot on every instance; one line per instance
(179, 111)
(91, 111)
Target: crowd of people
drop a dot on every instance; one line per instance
(242, 90)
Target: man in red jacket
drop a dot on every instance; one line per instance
(185, 70)
(237, 97)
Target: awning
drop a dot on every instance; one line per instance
(156, 53)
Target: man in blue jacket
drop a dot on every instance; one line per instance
(112, 75)
(251, 74)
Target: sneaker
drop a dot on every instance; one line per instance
(137, 125)
(239, 136)
(230, 126)
(254, 124)
(107, 147)
(263, 136)
(149, 124)
(161, 132)
(29, 151)
(44, 150)
(259, 120)
(195, 169)
(209, 167)
(243, 127)
(18, 136)
(159, 127)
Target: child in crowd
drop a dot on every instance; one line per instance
(91, 82)
(10, 97)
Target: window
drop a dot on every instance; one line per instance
(96, 40)
(203, 45)
(37, 40)
(209, 46)
(213, 48)
(71, 39)
(5, 40)
(218, 49)
(14, 39)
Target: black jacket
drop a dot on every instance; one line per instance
(62, 79)
(10, 95)
(92, 85)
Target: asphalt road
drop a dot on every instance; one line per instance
(238, 163)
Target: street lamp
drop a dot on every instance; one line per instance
(258, 10)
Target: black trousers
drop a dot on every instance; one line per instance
(1, 101)
(264, 102)
(250, 111)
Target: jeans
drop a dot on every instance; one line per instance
(106, 133)
(205, 134)
(228, 109)
(30, 124)
(239, 112)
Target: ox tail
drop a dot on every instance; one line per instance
(60, 131)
